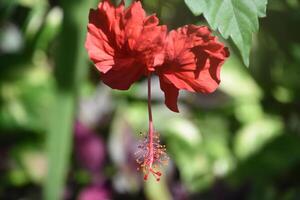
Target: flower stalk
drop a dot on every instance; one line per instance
(151, 155)
(150, 136)
(151, 127)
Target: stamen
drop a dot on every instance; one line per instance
(151, 156)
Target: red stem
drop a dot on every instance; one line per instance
(151, 129)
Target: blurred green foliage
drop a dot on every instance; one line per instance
(241, 142)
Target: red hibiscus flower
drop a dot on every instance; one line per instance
(193, 61)
(124, 44)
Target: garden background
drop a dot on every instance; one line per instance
(64, 134)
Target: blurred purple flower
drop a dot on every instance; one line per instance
(89, 148)
(94, 192)
(179, 191)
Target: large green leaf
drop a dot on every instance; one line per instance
(237, 19)
(70, 71)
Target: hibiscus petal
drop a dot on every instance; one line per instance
(171, 94)
(193, 60)
(178, 52)
(122, 78)
(134, 22)
(105, 65)
(151, 20)
(112, 15)
(205, 81)
(124, 44)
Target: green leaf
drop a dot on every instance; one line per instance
(237, 19)
(195, 6)
(59, 143)
(70, 72)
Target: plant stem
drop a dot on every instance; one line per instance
(151, 128)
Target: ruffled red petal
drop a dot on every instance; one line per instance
(124, 44)
(193, 60)
(122, 78)
(171, 93)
